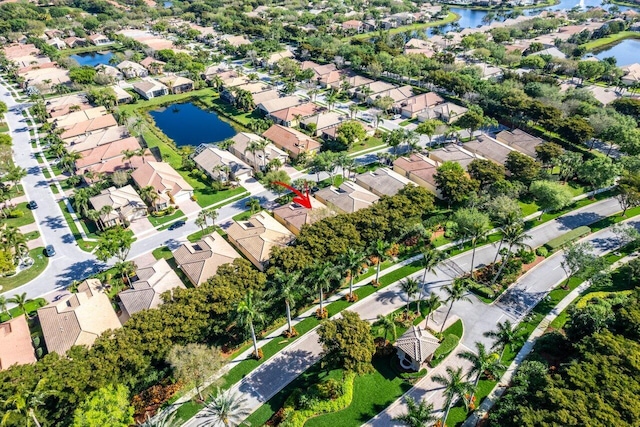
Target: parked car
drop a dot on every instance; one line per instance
(32, 205)
(49, 251)
(397, 117)
(177, 224)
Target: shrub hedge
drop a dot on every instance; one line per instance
(446, 346)
(566, 238)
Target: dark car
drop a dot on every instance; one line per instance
(32, 205)
(49, 251)
(177, 224)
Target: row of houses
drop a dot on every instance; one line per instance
(35, 71)
(56, 39)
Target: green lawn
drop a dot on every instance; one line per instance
(210, 229)
(160, 220)
(367, 144)
(4, 127)
(84, 245)
(25, 219)
(162, 252)
(451, 17)
(614, 38)
(168, 99)
(30, 307)
(32, 235)
(39, 265)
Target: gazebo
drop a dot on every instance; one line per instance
(415, 348)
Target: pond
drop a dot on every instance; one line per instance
(168, 4)
(625, 52)
(92, 59)
(188, 124)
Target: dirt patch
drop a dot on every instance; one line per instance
(527, 267)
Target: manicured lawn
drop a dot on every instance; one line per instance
(369, 143)
(168, 99)
(26, 218)
(243, 216)
(32, 235)
(162, 252)
(451, 17)
(599, 43)
(84, 245)
(158, 221)
(39, 264)
(210, 229)
(208, 196)
(458, 413)
(30, 307)
(4, 127)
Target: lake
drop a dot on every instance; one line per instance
(188, 124)
(92, 58)
(625, 52)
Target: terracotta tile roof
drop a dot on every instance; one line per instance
(304, 110)
(265, 96)
(201, 260)
(211, 157)
(488, 148)
(348, 198)
(77, 319)
(87, 126)
(291, 140)
(145, 293)
(15, 343)
(161, 176)
(122, 200)
(60, 106)
(103, 136)
(326, 120)
(104, 152)
(241, 142)
(258, 235)
(149, 61)
(452, 153)
(420, 102)
(278, 104)
(520, 140)
(77, 116)
(382, 181)
(294, 216)
(18, 50)
(420, 166)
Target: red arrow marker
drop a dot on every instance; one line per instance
(301, 199)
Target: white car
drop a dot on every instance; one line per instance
(397, 117)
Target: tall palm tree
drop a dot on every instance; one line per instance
(24, 403)
(253, 204)
(252, 147)
(226, 408)
(248, 313)
(202, 216)
(3, 304)
(455, 292)
(21, 301)
(325, 273)
(126, 269)
(389, 324)
(513, 235)
(12, 240)
(212, 214)
(149, 195)
(430, 259)
(505, 335)
(419, 414)
(380, 251)
(433, 302)
(482, 363)
(81, 200)
(331, 98)
(288, 287)
(352, 262)
(410, 287)
(455, 388)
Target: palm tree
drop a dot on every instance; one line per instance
(126, 269)
(288, 287)
(433, 302)
(353, 109)
(389, 324)
(418, 414)
(505, 335)
(482, 363)
(12, 240)
(163, 419)
(149, 195)
(324, 274)
(202, 216)
(24, 403)
(410, 287)
(352, 262)
(81, 200)
(456, 292)
(430, 259)
(331, 98)
(380, 251)
(212, 214)
(514, 235)
(3, 305)
(201, 222)
(21, 301)
(226, 408)
(252, 147)
(249, 312)
(454, 388)
(253, 204)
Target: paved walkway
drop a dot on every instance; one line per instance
(260, 385)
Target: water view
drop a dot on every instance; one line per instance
(92, 58)
(188, 124)
(625, 52)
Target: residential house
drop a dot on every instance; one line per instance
(77, 116)
(415, 348)
(398, 94)
(382, 182)
(353, 25)
(150, 88)
(256, 237)
(155, 66)
(168, 183)
(177, 84)
(268, 107)
(122, 96)
(486, 147)
(108, 71)
(403, 18)
(260, 158)
(77, 319)
(364, 90)
(370, 25)
(52, 34)
(411, 107)
(323, 121)
(452, 153)
(229, 92)
(15, 343)
(57, 43)
(66, 104)
(419, 46)
(521, 141)
(42, 79)
(74, 42)
(132, 70)
(125, 203)
(146, 292)
(294, 216)
(419, 169)
(350, 80)
(98, 39)
(200, 260)
(265, 96)
(273, 59)
(104, 136)
(319, 71)
(447, 112)
(292, 141)
(631, 74)
(333, 79)
(220, 165)
(347, 198)
(89, 126)
(236, 41)
(291, 116)
(107, 158)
